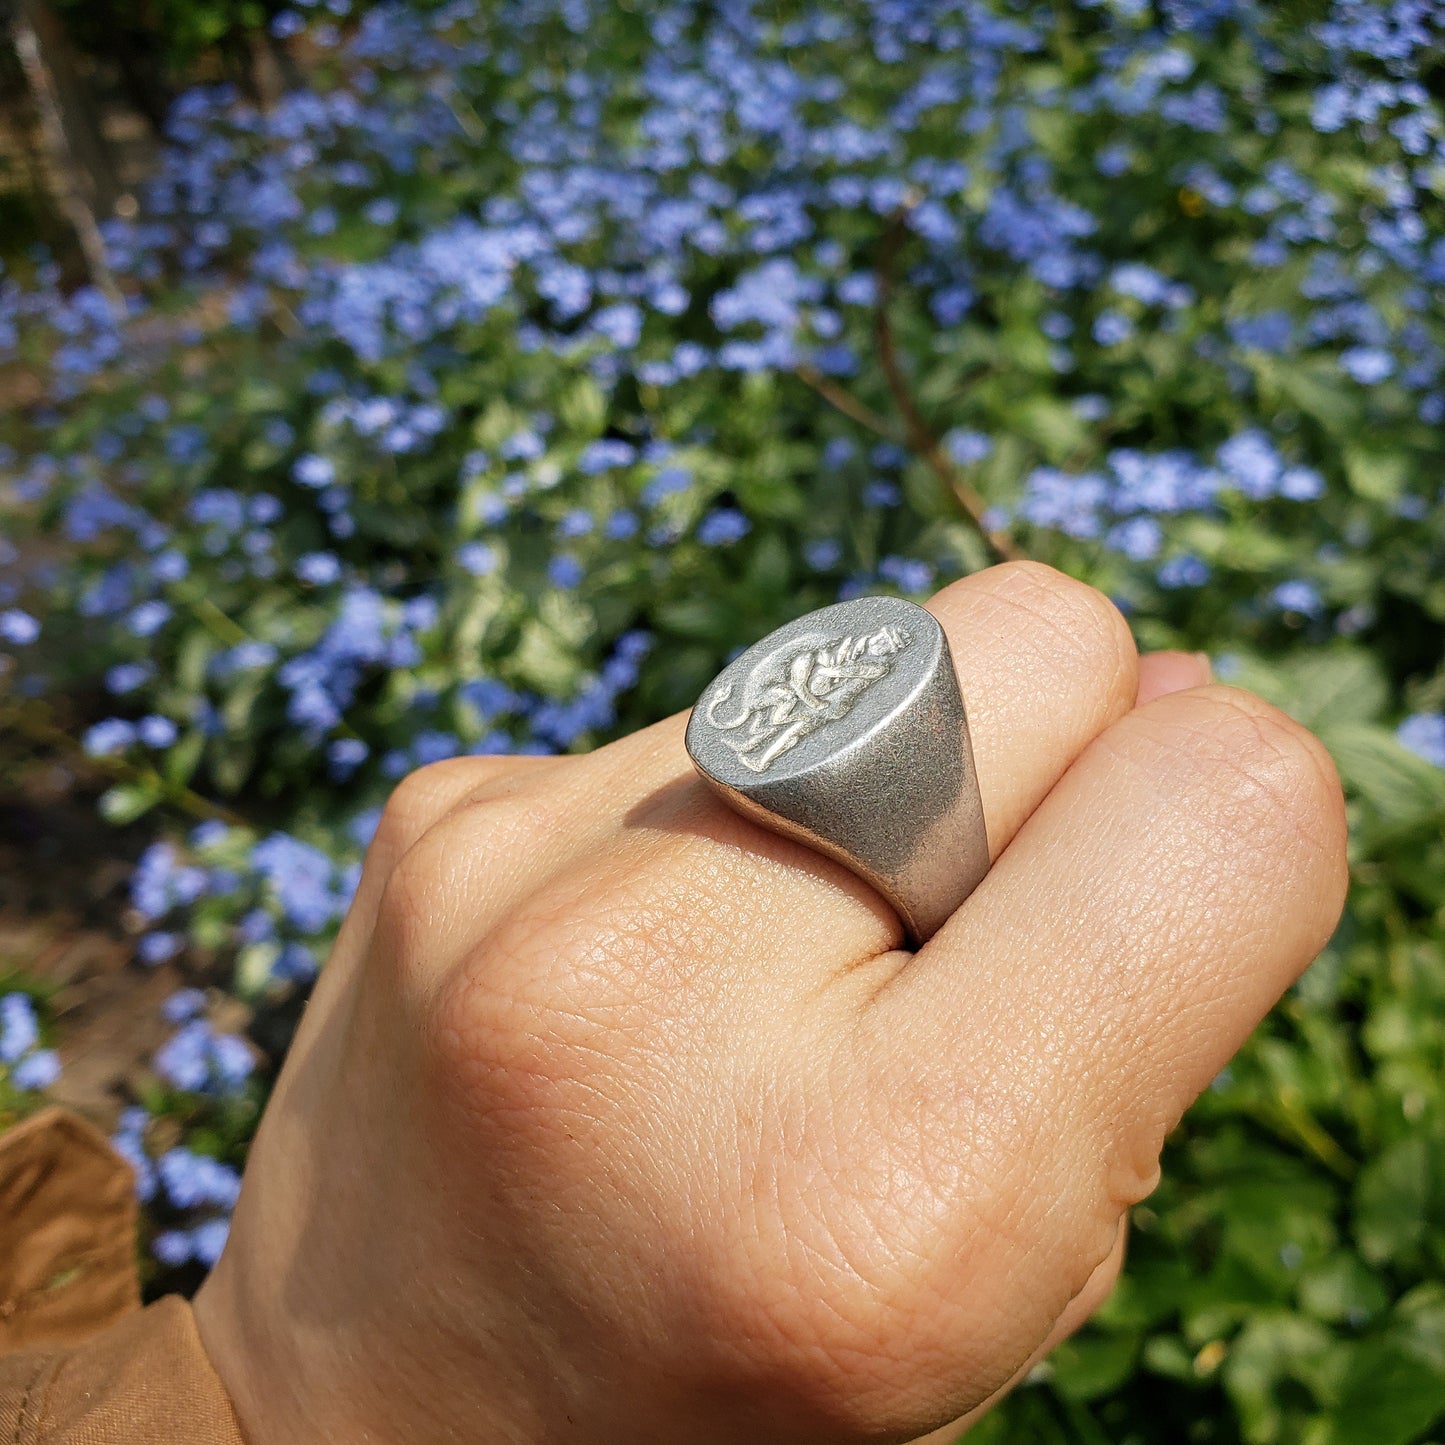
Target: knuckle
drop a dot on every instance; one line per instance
(471, 1031)
(451, 861)
(406, 919)
(529, 1036)
(509, 820)
(420, 798)
(1059, 627)
(483, 1043)
(1076, 612)
(1281, 772)
(501, 797)
(1131, 1166)
(410, 874)
(427, 795)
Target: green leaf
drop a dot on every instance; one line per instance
(1273, 1351)
(231, 765)
(1321, 394)
(1054, 425)
(770, 569)
(126, 802)
(1337, 686)
(1094, 1362)
(193, 658)
(182, 759)
(1421, 1315)
(543, 661)
(1322, 687)
(253, 967)
(1391, 1198)
(1268, 1220)
(1390, 1394)
(1377, 476)
(1026, 348)
(583, 407)
(698, 617)
(1167, 1355)
(1342, 1289)
(1399, 786)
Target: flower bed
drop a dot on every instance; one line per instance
(484, 396)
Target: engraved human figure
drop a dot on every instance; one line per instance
(792, 693)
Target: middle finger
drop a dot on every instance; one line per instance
(1045, 664)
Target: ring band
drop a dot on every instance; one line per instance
(845, 729)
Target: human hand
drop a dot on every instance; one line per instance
(615, 1117)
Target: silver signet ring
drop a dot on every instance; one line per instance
(845, 729)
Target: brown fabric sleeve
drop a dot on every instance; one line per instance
(94, 1368)
(144, 1381)
(67, 1233)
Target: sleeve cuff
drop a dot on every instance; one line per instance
(146, 1378)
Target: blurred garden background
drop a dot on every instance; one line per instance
(385, 382)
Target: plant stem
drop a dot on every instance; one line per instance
(921, 440)
(844, 400)
(23, 719)
(1291, 1120)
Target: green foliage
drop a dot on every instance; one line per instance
(329, 394)
(161, 42)
(1284, 1275)
(26, 1061)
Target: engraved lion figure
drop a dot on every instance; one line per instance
(793, 692)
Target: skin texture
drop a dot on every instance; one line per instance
(617, 1118)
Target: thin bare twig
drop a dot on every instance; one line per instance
(844, 400)
(229, 631)
(1289, 1120)
(921, 440)
(23, 719)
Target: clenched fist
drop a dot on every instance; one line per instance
(617, 1118)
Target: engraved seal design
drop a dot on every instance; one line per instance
(805, 685)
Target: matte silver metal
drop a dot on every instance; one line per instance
(846, 730)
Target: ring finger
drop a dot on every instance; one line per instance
(1045, 664)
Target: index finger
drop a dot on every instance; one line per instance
(1178, 878)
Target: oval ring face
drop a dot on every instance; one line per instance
(800, 684)
(845, 729)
